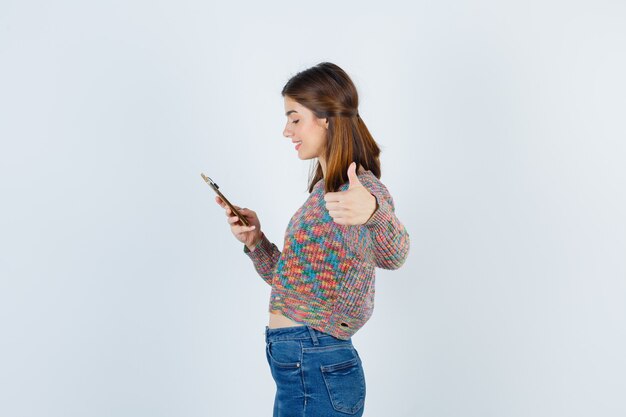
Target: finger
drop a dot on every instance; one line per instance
(332, 197)
(227, 207)
(220, 202)
(334, 206)
(243, 229)
(338, 205)
(338, 214)
(352, 177)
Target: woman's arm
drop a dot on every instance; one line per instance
(264, 256)
(390, 238)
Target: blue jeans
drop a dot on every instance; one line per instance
(316, 374)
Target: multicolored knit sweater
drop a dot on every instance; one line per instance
(324, 277)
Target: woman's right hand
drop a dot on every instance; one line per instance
(248, 235)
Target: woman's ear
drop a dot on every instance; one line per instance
(322, 122)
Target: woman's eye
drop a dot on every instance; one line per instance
(295, 121)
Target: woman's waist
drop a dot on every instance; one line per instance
(279, 320)
(309, 336)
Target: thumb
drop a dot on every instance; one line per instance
(352, 177)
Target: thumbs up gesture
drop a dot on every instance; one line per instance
(354, 206)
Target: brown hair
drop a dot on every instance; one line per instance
(328, 92)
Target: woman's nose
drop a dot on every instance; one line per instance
(287, 132)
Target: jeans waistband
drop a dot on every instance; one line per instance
(294, 333)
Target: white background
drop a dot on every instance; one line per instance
(123, 292)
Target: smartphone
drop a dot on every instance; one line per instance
(224, 199)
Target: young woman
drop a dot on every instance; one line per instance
(323, 280)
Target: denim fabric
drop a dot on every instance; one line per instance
(316, 374)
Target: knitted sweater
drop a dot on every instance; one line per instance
(324, 277)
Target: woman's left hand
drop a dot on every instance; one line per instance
(354, 206)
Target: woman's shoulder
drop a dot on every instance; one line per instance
(371, 182)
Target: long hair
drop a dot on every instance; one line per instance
(328, 92)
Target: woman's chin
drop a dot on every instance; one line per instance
(304, 156)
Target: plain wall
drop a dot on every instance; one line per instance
(123, 292)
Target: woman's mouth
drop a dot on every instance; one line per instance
(298, 145)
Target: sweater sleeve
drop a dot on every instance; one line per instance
(390, 238)
(264, 257)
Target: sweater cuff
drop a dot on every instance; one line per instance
(381, 216)
(262, 251)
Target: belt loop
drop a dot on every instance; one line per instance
(313, 336)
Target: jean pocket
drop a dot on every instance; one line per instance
(284, 354)
(345, 382)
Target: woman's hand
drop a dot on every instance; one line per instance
(354, 206)
(248, 235)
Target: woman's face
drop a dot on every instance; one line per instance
(307, 132)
